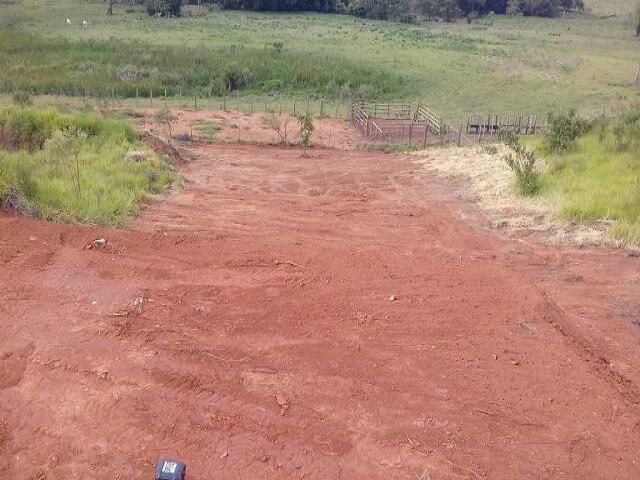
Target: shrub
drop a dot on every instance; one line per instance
(563, 130)
(626, 131)
(523, 163)
(306, 129)
(279, 125)
(64, 147)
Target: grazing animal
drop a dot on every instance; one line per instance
(85, 23)
(68, 22)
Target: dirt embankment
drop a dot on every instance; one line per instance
(329, 316)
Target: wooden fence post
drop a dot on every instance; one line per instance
(460, 136)
(426, 132)
(151, 96)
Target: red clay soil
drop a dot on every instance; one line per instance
(245, 326)
(236, 127)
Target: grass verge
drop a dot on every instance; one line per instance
(596, 182)
(75, 167)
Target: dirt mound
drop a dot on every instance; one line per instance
(162, 146)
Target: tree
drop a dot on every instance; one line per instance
(164, 8)
(446, 10)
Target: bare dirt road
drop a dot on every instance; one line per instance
(245, 326)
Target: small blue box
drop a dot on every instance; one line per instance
(170, 470)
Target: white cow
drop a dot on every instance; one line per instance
(68, 22)
(85, 23)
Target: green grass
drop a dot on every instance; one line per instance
(33, 63)
(596, 182)
(499, 64)
(40, 182)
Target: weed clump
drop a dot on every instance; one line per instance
(305, 121)
(523, 163)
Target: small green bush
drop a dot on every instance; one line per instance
(306, 129)
(563, 131)
(523, 163)
(626, 131)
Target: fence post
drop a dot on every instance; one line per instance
(294, 105)
(426, 131)
(322, 108)
(195, 102)
(151, 96)
(460, 136)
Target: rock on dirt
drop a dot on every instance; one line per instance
(282, 401)
(98, 243)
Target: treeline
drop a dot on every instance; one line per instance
(448, 10)
(397, 10)
(325, 6)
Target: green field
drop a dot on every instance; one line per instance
(500, 64)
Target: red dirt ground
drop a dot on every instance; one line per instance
(266, 345)
(233, 126)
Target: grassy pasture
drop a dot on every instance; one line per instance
(499, 64)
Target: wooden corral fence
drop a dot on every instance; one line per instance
(404, 124)
(491, 125)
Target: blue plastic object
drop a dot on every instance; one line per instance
(170, 470)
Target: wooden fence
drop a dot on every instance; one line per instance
(404, 124)
(492, 125)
